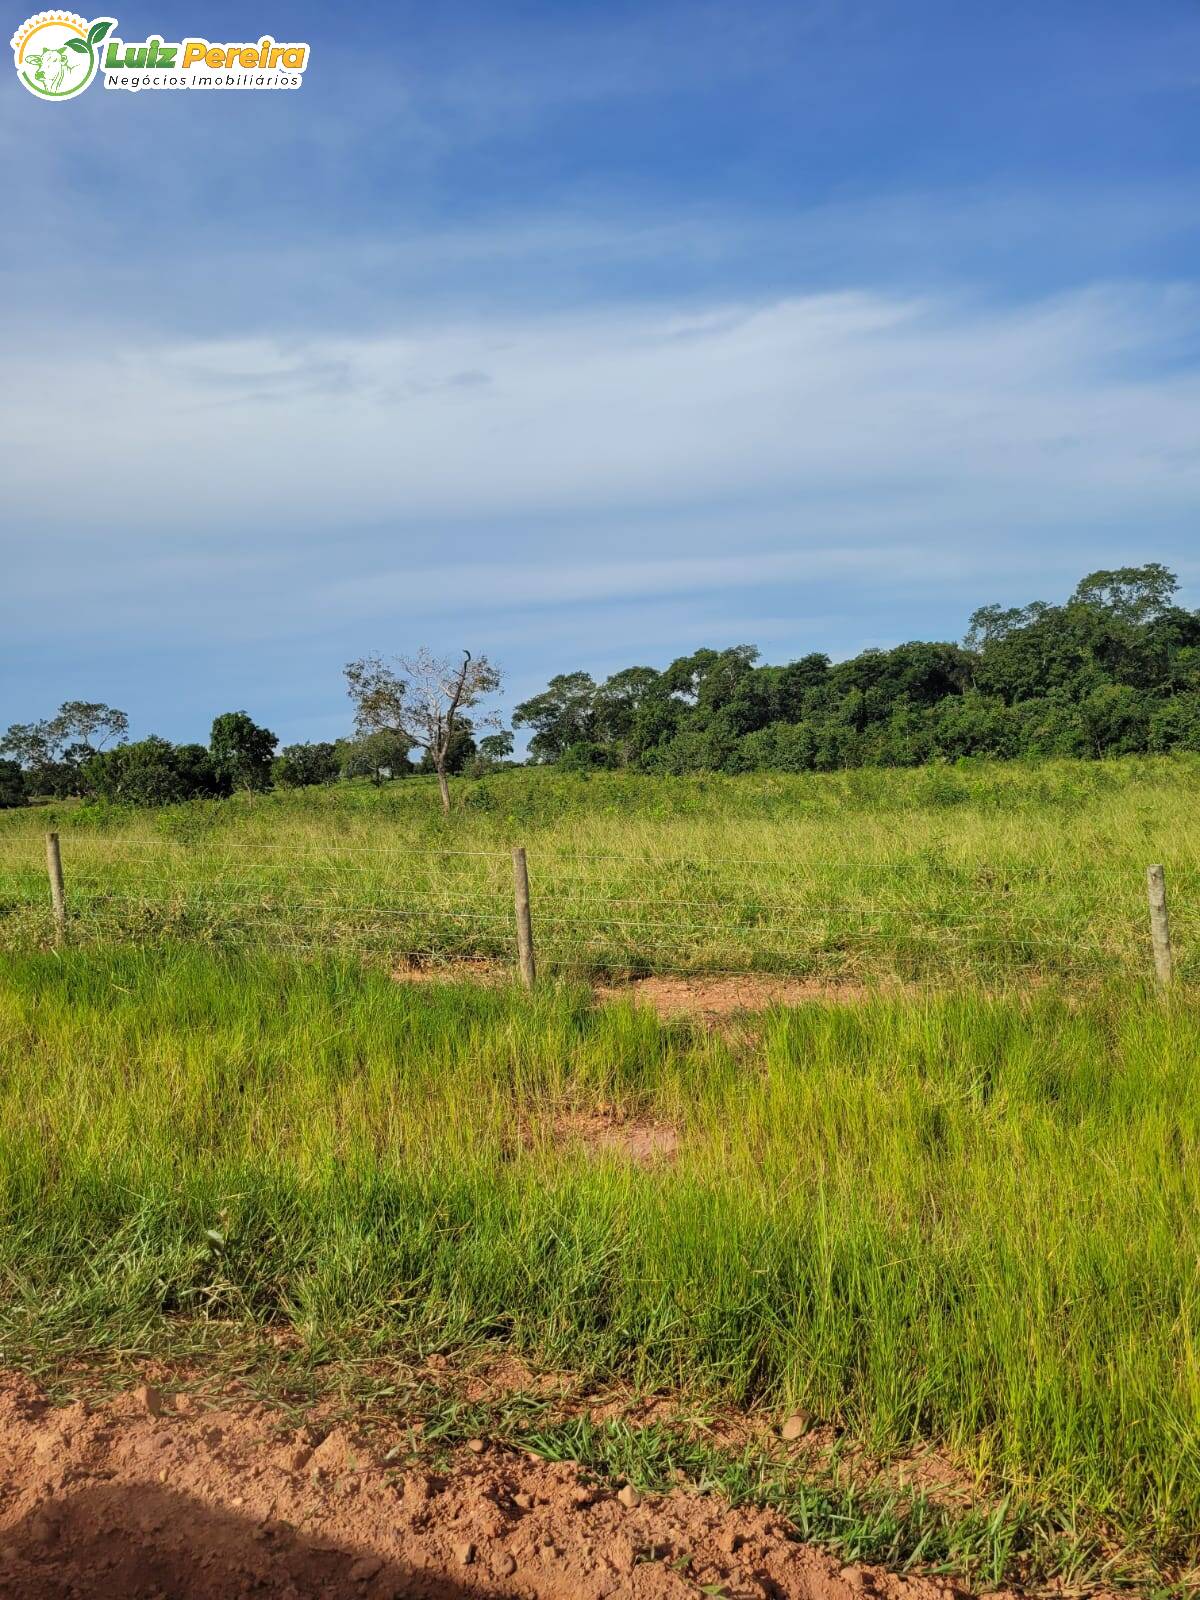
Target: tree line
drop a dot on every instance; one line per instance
(1115, 670)
(418, 704)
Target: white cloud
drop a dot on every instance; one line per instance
(830, 399)
(552, 487)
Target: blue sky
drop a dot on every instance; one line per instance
(585, 335)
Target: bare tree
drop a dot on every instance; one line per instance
(421, 699)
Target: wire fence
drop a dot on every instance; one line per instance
(428, 906)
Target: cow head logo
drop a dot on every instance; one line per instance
(57, 54)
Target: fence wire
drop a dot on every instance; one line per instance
(437, 917)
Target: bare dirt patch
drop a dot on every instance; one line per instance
(713, 998)
(645, 1141)
(150, 1495)
(719, 997)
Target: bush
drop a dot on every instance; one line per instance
(584, 757)
(1175, 724)
(780, 747)
(154, 772)
(12, 785)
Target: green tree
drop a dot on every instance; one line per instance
(53, 753)
(12, 785)
(154, 772)
(378, 756)
(1175, 723)
(493, 752)
(300, 765)
(1135, 594)
(619, 705)
(496, 747)
(88, 725)
(31, 746)
(709, 678)
(562, 715)
(242, 751)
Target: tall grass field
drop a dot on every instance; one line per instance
(963, 1210)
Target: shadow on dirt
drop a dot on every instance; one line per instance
(149, 1543)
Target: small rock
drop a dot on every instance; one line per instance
(796, 1426)
(731, 1543)
(365, 1568)
(854, 1577)
(476, 1445)
(184, 1405)
(149, 1399)
(525, 1501)
(464, 1554)
(504, 1566)
(581, 1496)
(629, 1497)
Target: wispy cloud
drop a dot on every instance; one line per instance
(1075, 401)
(641, 474)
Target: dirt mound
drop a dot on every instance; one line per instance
(144, 1500)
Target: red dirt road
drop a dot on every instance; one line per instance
(137, 1500)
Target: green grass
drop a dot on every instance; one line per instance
(965, 1218)
(945, 874)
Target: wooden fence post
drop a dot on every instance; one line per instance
(524, 921)
(58, 893)
(1160, 933)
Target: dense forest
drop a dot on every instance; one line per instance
(1115, 670)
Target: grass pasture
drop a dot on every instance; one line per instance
(946, 875)
(963, 1212)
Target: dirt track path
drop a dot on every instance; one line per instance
(137, 1500)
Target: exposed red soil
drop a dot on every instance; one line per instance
(717, 997)
(709, 997)
(146, 1497)
(645, 1141)
(808, 1440)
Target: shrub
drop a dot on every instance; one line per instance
(154, 772)
(12, 785)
